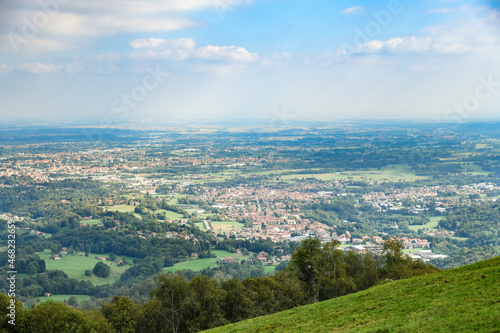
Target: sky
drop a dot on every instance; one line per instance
(323, 60)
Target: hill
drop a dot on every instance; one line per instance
(465, 299)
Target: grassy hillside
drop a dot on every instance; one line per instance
(466, 299)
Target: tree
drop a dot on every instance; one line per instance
(73, 301)
(122, 314)
(101, 270)
(175, 299)
(306, 264)
(20, 314)
(55, 317)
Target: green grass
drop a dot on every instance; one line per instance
(75, 266)
(432, 225)
(200, 264)
(170, 215)
(62, 298)
(92, 222)
(464, 299)
(269, 269)
(200, 226)
(122, 208)
(226, 226)
(413, 250)
(195, 265)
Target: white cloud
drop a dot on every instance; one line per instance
(458, 36)
(154, 43)
(186, 48)
(5, 68)
(58, 26)
(289, 58)
(444, 10)
(40, 68)
(353, 10)
(111, 24)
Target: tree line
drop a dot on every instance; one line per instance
(317, 272)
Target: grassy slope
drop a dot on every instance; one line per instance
(466, 299)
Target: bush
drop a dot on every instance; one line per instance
(101, 270)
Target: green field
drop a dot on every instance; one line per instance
(412, 250)
(62, 298)
(226, 226)
(464, 299)
(122, 208)
(269, 269)
(92, 222)
(169, 214)
(200, 226)
(75, 266)
(432, 225)
(200, 264)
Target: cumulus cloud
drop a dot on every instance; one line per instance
(459, 36)
(353, 10)
(59, 23)
(186, 48)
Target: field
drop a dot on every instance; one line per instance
(170, 215)
(200, 226)
(62, 298)
(390, 173)
(464, 299)
(432, 225)
(407, 251)
(226, 226)
(75, 266)
(92, 222)
(122, 208)
(200, 264)
(270, 269)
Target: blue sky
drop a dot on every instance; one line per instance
(229, 59)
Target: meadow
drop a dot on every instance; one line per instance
(200, 264)
(432, 225)
(76, 265)
(64, 298)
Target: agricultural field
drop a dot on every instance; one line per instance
(226, 226)
(390, 173)
(76, 265)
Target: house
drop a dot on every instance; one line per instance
(46, 295)
(194, 255)
(101, 258)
